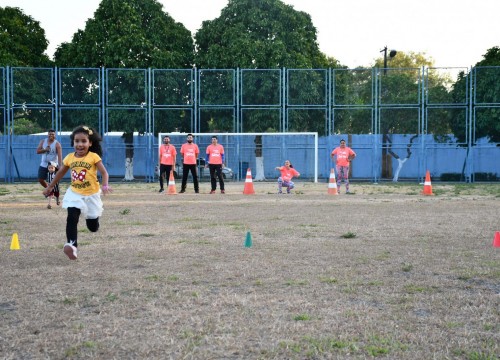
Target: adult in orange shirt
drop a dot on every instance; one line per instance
(167, 158)
(189, 153)
(342, 156)
(215, 161)
(287, 173)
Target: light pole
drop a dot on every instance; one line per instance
(392, 53)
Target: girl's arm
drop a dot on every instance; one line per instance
(59, 175)
(106, 189)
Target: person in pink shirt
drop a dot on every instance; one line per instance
(189, 153)
(215, 161)
(287, 174)
(167, 156)
(342, 157)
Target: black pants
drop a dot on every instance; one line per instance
(186, 168)
(216, 171)
(72, 225)
(164, 172)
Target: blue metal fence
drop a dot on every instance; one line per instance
(367, 106)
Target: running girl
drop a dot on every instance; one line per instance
(84, 194)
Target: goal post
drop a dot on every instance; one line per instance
(261, 152)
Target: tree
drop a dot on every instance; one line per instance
(23, 44)
(400, 93)
(265, 36)
(487, 91)
(127, 34)
(399, 99)
(22, 40)
(258, 34)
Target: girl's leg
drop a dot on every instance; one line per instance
(290, 186)
(93, 224)
(280, 185)
(72, 233)
(72, 225)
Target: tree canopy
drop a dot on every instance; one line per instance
(486, 83)
(22, 40)
(129, 34)
(264, 34)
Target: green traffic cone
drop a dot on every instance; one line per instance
(248, 240)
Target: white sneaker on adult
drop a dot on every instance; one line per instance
(70, 250)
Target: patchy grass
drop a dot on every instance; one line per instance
(172, 278)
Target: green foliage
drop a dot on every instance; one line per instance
(486, 83)
(130, 34)
(259, 34)
(349, 235)
(22, 40)
(25, 126)
(266, 34)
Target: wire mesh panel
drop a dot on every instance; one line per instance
(32, 86)
(172, 87)
(79, 87)
(217, 87)
(261, 87)
(400, 87)
(126, 87)
(353, 87)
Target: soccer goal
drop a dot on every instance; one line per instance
(261, 152)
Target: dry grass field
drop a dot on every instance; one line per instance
(383, 273)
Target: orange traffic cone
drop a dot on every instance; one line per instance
(171, 184)
(427, 184)
(332, 185)
(248, 190)
(496, 239)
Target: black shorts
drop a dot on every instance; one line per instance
(43, 172)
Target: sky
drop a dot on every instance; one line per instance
(453, 33)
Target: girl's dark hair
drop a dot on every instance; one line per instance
(93, 135)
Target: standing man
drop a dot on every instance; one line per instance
(51, 150)
(344, 155)
(189, 153)
(167, 157)
(215, 161)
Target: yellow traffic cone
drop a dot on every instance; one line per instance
(14, 245)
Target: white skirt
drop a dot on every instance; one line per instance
(90, 205)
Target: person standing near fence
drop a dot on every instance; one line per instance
(167, 158)
(84, 194)
(287, 174)
(189, 153)
(51, 150)
(342, 157)
(215, 161)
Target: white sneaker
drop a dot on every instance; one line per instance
(70, 250)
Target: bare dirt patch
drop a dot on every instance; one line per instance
(385, 272)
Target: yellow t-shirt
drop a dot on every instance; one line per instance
(83, 173)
